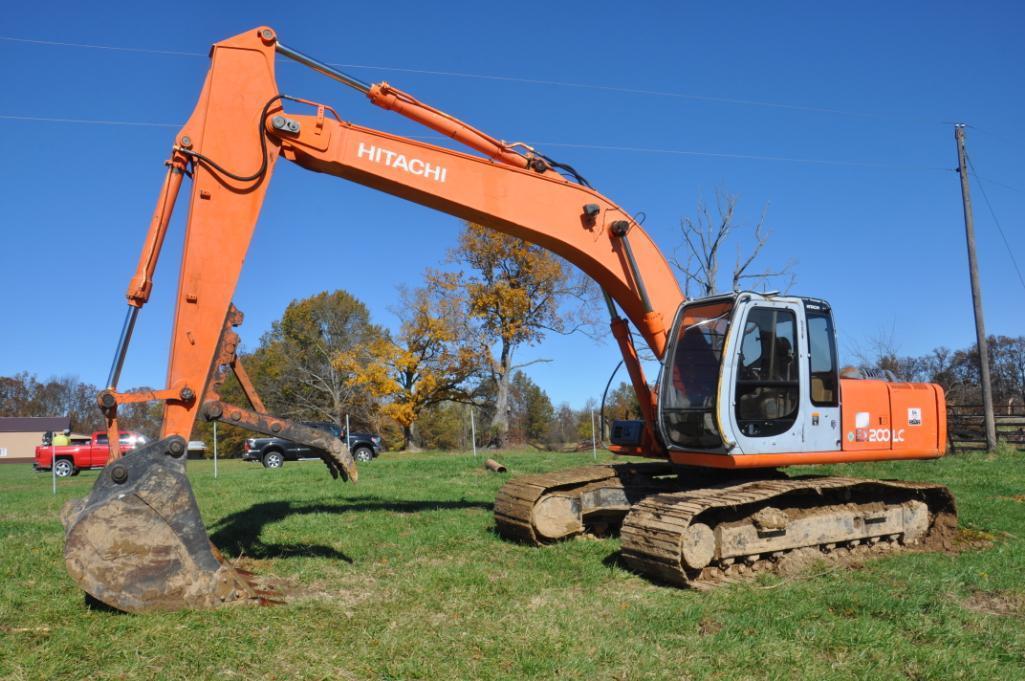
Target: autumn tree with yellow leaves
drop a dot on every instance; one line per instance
(515, 292)
(430, 361)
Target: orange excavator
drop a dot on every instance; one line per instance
(749, 382)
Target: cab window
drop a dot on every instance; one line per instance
(768, 390)
(690, 378)
(822, 359)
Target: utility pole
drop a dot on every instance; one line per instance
(973, 271)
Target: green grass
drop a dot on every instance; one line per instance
(402, 577)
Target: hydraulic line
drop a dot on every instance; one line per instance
(321, 67)
(263, 148)
(122, 347)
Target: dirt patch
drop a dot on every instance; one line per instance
(348, 592)
(967, 539)
(252, 565)
(709, 626)
(33, 632)
(1017, 498)
(944, 534)
(560, 598)
(999, 603)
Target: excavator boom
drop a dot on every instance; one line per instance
(237, 133)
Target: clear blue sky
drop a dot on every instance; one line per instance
(879, 234)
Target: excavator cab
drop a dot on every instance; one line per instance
(751, 373)
(752, 381)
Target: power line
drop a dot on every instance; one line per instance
(568, 145)
(998, 184)
(987, 131)
(752, 157)
(515, 79)
(626, 90)
(55, 43)
(88, 121)
(1000, 229)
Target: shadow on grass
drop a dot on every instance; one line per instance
(239, 533)
(615, 560)
(96, 605)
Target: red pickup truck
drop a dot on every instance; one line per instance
(93, 454)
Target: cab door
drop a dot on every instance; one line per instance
(823, 426)
(767, 377)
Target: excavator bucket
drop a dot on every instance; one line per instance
(137, 543)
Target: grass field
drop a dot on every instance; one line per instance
(402, 577)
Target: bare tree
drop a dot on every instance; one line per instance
(878, 352)
(703, 240)
(880, 356)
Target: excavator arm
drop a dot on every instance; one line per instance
(238, 132)
(137, 542)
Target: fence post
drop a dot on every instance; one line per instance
(215, 450)
(594, 439)
(53, 466)
(473, 434)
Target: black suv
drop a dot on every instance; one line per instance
(273, 452)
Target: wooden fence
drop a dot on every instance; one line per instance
(966, 429)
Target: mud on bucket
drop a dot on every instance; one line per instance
(137, 542)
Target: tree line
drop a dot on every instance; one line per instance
(957, 371)
(457, 343)
(294, 383)
(23, 394)
(456, 348)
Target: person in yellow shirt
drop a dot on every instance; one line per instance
(62, 439)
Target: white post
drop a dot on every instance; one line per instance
(348, 444)
(473, 434)
(53, 465)
(215, 449)
(594, 440)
